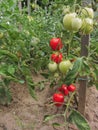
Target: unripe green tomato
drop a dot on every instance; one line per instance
(87, 12)
(67, 20)
(1, 35)
(56, 74)
(64, 66)
(87, 26)
(76, 24)
(52, 67)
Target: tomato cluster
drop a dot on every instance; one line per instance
(57, 62)
(58, 98)
(82, 21)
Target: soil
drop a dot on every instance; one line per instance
(26, 113)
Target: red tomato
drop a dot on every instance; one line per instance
(57, 57)
(56, 44)
(64, 89)
(58, 99)
(71, 88)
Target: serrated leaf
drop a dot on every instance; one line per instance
(96, 84)
(11, 69)
(5, 95)
(9, 54)
(56, 124)
(79, 120)
(21, 81)
(72, 73)
(48, 117)
(45, 75)
(42, 86)
(32, 92)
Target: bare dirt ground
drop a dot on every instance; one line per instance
(24, 113)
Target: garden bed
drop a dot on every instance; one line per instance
(25, 113)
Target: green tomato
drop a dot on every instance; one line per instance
(76, 24)
(67, 20)
(56, 74)
(87, 12)
(64, 66)
(87, 26)
(52, 67)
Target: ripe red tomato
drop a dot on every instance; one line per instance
(71, 88)
(58, 99)
(56, 44)
(64, 89)
(56, 57)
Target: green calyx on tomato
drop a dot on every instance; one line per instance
(67, 20)
(58, 99)
(57, 57)
(56, 44)
(87, 12)
(52, 66)
(64, 66)
(87, 26)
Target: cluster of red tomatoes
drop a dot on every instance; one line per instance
(56, 45)
(58, 98)
(57, 60)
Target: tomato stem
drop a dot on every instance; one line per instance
(70, 41)
(68, 104)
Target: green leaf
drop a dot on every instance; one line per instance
(5, 95)
(79, 120)
(56, 124)
(31, 87)
(21, 81)
(45, 75)
(42, 86)
(11, 69)
(32, 92)
(48, 117)
(72, 73)
(9, 54)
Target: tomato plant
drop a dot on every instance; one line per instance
(49, 34)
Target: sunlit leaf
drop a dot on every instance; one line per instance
(79, 120)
